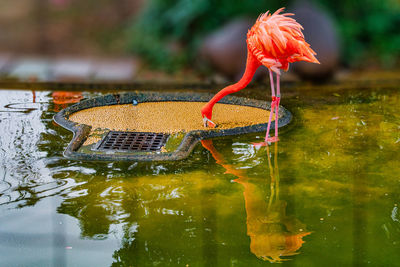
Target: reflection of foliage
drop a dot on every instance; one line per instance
(94, 216)
(165, 218)
(367, 29)
(391, 227)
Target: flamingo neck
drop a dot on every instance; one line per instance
(252, 65)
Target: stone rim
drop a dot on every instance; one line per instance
(82, 131)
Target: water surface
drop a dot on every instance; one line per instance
(326, 194)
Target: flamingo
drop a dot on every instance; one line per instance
(274, 41)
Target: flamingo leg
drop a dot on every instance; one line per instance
(271, 78)
(277, 100)
(274, 109)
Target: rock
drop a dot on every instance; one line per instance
(31, 69)
(319, 32)
(226, 47)
(72, 69)
(115, 70)
(5, 62)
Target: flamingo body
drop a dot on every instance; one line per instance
(274, 41)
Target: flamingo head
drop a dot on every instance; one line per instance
(206, 113)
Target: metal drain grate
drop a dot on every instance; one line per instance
(132, 141)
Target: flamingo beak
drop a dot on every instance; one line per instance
(208, 123)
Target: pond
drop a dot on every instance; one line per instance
(327, 193)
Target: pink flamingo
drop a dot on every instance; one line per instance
(274, 41)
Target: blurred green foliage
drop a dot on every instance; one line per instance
(369, 30)
(168, 32)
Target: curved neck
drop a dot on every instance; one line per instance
(252, 65)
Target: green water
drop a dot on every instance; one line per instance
(327, 194)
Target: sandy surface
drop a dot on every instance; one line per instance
(91, 140)
(167, 117)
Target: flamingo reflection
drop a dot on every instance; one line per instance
(61, 99)
(273, 234)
